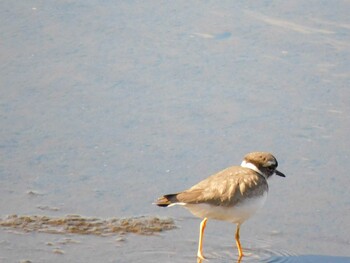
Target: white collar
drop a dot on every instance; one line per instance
(251, 166)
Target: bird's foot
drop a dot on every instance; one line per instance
(200, 256)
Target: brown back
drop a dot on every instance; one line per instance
(226, 188)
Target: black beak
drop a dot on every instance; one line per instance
(279, 173)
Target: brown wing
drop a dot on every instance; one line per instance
(225, 188)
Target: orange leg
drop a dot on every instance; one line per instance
(238, 243)
(201, 234)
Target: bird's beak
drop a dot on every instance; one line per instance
(279, 173)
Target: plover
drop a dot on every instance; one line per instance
(233, 194)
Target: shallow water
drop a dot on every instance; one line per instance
(106, 106)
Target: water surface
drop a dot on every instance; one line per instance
(107, 105)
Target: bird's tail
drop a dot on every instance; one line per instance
(167, 200)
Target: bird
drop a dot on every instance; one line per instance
(233, 194)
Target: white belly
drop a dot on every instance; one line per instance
(234, 214)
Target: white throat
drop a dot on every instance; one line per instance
(251, 166)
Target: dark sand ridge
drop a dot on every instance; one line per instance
(77, 224)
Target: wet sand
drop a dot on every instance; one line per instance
(106, 106)
(75, 224)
